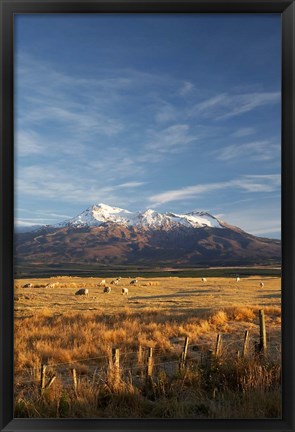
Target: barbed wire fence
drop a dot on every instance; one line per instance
(139, 366)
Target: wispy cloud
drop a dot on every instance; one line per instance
(137, 127)
(226, 105)
(42, 217)
(132, 184)
(40, 213)
(77, 117)
(29, 222)
(243, 132)
(73, 186)
(74, 113)
(247, 183)
(257, 220)
(271, 227)
(186, 88)
(255, 150)
(171, 139)
(258, 183)
(28, 142)
(165, 112)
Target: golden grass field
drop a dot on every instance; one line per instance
(54, 326)
(170, 294)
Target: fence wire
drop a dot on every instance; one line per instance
(197, 352)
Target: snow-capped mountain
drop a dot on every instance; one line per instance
(110, 236)
(99, 214)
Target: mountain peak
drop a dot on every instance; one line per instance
(101, 213)
(102, 206)
(114, 235)
(149, 211)
(200, 213)
(106, 207)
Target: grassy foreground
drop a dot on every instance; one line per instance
(67, 332)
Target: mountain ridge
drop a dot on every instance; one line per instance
(113, 236)
(103, 213)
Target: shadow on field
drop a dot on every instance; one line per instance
(174, 315)
(270, 296)
(163, 296)
(177, 294)
(200, 292)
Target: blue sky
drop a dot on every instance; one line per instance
(170, 112)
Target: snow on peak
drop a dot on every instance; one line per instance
(148, 219)
(107, 209)
(152, 219)
(199, 219)
(98, 214)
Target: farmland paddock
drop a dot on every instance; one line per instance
(192, 368)
(178, 348)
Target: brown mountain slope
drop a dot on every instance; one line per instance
(113, 244)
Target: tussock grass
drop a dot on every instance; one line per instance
(227, 387)
(249, 388)
(223, 388)
(80, 335)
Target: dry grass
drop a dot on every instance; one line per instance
(53, 326)
(174, 295)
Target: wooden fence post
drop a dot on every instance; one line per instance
(150, 364)
(245, 345)
(218, 346)
(74, 375)
(183, 354)
(139, 355)
(43, 378)
(115, 366)
(262, 343)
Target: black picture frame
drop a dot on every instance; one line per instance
(8, 10)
